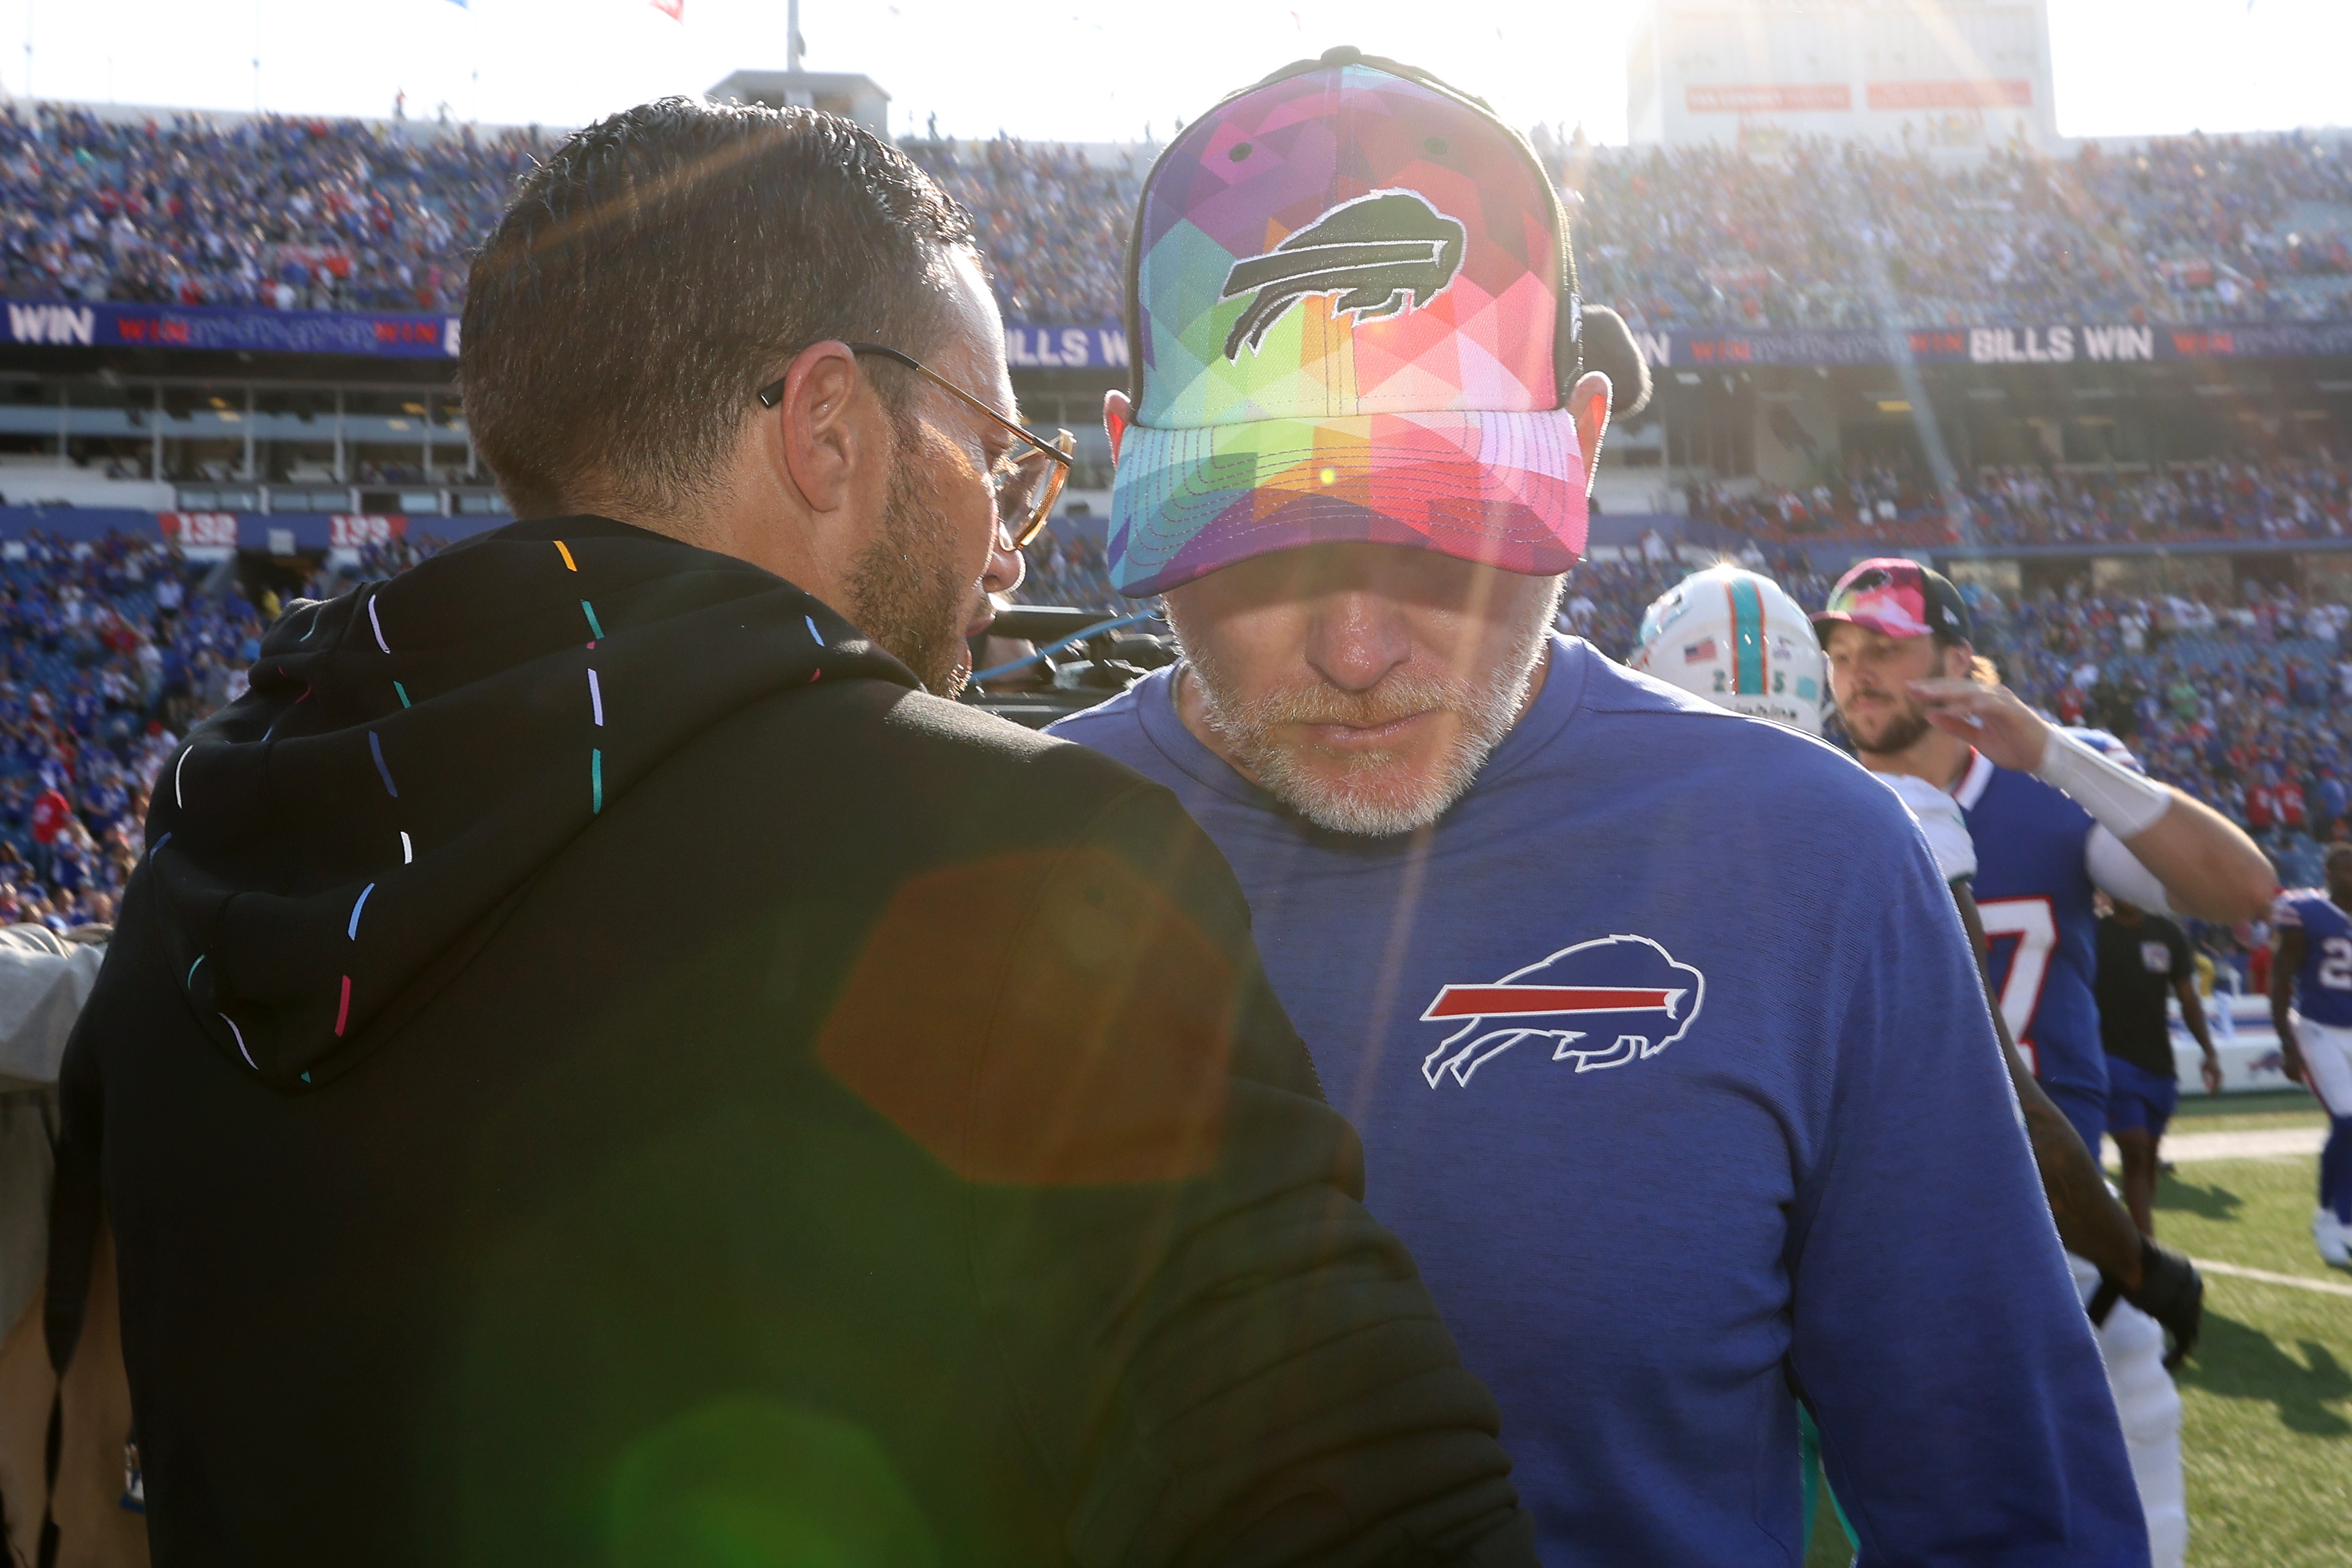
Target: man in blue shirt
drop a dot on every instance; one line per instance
(1670, 1059)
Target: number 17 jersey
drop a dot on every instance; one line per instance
(2033, 889)
(2323, 986)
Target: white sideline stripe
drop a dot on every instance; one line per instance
(2256, 1144)
(2263, 1276)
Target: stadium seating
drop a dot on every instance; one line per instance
(308, 213)
(108, 652)
(2182, 229)
(2281, 501)
(323, 214)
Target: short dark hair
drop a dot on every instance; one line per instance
(661, 266)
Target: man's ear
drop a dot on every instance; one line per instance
(1117, 411)
(1588, 405)
(1961, 663)
(817, 438)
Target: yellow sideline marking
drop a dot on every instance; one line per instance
(2265, 1276)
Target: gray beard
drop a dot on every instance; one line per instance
(1353, 802)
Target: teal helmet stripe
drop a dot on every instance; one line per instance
(1746, 636)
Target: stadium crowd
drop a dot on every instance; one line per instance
(1054, 226)
(2180, 229)
(288, 213)
(316, 213)
(2285, 499)
(110, 652)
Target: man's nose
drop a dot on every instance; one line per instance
(1007, 567)
(1356, 638)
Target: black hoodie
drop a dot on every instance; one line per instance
(596, 1067)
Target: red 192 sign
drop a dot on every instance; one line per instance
(199, 529)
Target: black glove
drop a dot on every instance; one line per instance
(2170, 1290)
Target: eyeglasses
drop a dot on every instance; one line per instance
(1025, 483)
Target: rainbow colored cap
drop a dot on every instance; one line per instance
(1352, 307)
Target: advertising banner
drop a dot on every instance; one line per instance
(210, 533)
(2053, 343)
(245, 330)
(1032, 347)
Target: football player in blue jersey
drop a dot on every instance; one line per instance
(1718, 635)
(2311, 1003)
(2054, 817)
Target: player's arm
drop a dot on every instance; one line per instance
(2192, 1013)
(2207, 865)
(2091, 1222)
(2286, 962)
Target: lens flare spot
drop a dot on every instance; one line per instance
(746, 1481)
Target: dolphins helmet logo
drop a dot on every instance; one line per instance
(1588, 984)
(1372, 252)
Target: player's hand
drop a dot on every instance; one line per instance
(1989, 719)
(2172, 1292)
(2210, 1069)
(2291, 1058)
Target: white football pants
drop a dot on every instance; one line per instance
(2327, 1062)
(2132, 1344)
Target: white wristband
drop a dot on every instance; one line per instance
(2123, 802)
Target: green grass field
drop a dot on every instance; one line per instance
(2267, 1400)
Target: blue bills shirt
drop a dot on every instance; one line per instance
(2323, 987)
(1674, 1069)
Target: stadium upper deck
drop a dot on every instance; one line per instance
(338, 214)
(253, 319)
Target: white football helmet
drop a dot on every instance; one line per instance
(1737, 640)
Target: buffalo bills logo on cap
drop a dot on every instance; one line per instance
(1628, 991)
(1372, 252)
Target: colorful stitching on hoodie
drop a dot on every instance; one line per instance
(353, 933)
(569, 564)
(594, 630)
(375, 749)
(377, 624)
(240, 1040)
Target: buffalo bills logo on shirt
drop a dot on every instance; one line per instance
(1633, 997)
(1372, 252)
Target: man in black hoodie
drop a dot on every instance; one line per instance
(597, 1066)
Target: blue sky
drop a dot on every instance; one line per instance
(1093, 72)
